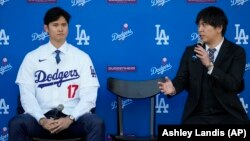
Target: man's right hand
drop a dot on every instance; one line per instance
(167, 87)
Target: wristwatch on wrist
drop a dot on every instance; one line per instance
(72, 118)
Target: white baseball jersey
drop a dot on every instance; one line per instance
(44, 84)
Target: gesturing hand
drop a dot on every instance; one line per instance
(167, 87)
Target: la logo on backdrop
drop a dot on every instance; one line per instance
(241, 35)
(161, 37)
(4, 38)
(4, 108)
(81, 35)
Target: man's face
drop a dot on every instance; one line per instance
(208, 33)
(57, 30)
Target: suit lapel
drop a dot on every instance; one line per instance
(223, 53)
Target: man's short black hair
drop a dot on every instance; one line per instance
(213, 16)
(54, 14)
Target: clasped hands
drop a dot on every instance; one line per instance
(54, 126)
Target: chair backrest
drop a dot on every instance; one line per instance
(134, 89)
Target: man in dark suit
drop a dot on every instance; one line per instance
(213, 79)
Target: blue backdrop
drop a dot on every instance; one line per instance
(130, 39)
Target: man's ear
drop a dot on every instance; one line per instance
(219, 29)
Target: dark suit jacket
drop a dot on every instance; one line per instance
(227, 74)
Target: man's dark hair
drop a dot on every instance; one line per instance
(213, 16)
(54, 14)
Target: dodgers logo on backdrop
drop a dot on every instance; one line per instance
(56, 78)
(126, 32)
(41, 36)
(79, 2)
(4, 107)
(161, 36)
(4, 134)
(240, 35)
(245, 105)
(81, 36)
(159, 2)
(5, 66)
(195, 36)
(163, 68)
(238, 2)
(161, 105)
(125, 103)
(4, 38)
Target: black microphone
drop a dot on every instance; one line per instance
(201, 43)
(58, 110)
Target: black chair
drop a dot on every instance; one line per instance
(20, 110)
(141, 89)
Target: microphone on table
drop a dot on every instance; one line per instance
(201, 43)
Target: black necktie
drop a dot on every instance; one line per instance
(211, 54)
(58, 56)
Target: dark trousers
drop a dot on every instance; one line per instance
(23, 127)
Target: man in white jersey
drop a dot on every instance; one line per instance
(58, 88)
